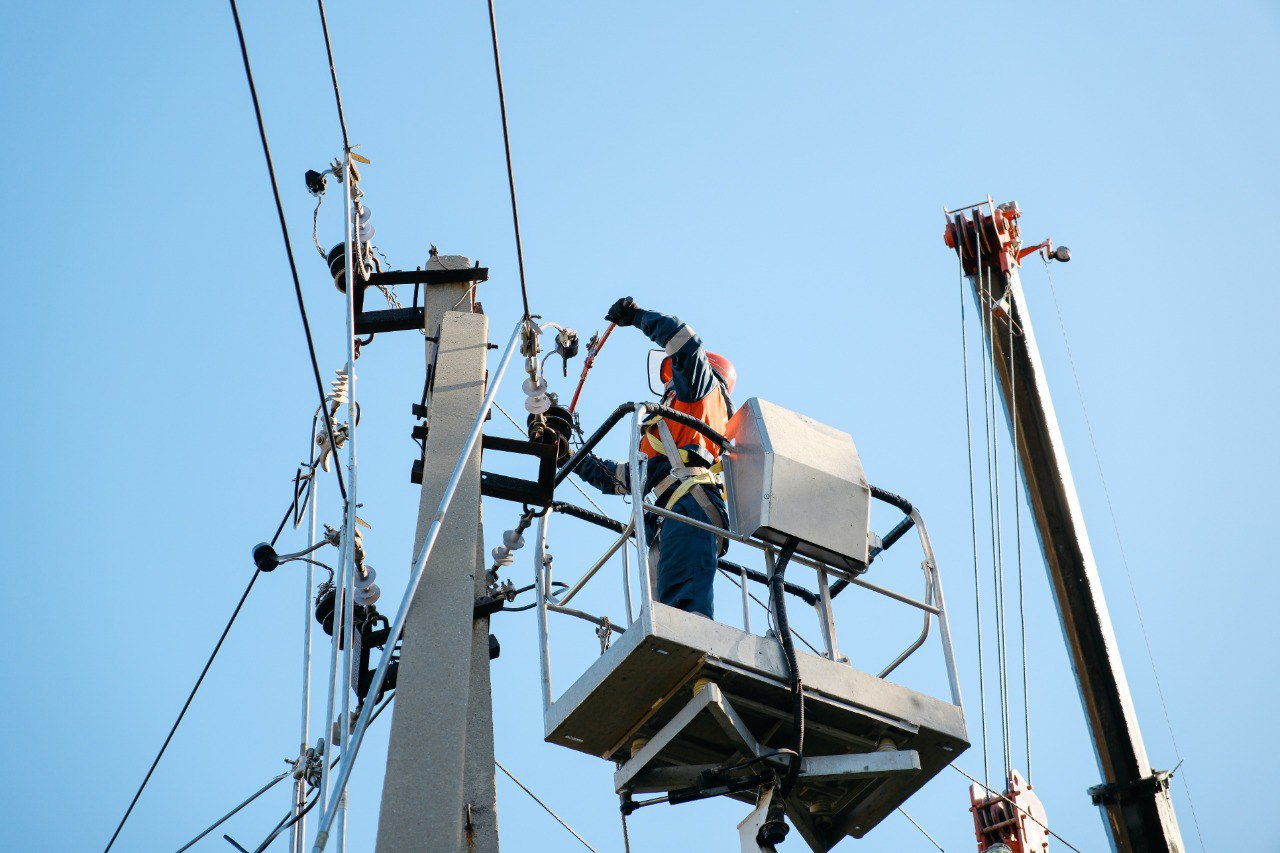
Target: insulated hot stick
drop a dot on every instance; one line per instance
(592, 352)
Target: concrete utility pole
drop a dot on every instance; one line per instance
(439, 792)
(1134, 798)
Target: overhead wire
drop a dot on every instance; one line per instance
(333, 74)
(288, 245)
(506, 144)
(1124, 557)
(192, 695)
(917, 825)
(200, 679)
(234, 811)
(545, 807)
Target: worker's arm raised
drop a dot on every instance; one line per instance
(690, 371)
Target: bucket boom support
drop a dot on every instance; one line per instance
(1135, 800)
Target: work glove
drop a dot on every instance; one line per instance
(623, 312)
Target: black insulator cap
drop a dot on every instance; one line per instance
(315, 182)
(1062, 253)
(338, 266)
(265, 557)
(555, 426)
(324, 611)
(773, 832)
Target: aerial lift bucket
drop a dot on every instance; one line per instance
(677, 698)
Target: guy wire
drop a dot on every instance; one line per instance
(1124, 557)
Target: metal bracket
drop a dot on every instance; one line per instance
(1114, 792)
(707, 697)
(536, 492)
(635, 776)
(405, 319)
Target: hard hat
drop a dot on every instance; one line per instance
(723, 368)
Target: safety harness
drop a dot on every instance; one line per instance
(693, 471)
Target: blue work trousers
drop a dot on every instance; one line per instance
(688, 556)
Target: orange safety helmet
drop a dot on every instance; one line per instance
(723, 368)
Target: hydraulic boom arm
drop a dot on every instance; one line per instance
(1135, 800)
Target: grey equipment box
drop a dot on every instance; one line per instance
(788, 475)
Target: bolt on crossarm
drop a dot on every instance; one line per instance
(1135, 799)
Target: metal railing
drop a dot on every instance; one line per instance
(932, 604)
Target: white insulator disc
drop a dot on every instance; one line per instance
(369, 595)
(534, 388)
(512, 540)
(500, 553)
(369, 575)
(537, 405)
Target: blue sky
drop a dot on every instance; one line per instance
(775, 175)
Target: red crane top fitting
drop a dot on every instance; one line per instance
(993, 236)
(1014, 822)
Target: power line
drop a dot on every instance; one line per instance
(185, 705)
(234, 811)
(545, 807)
(914, 823)
(200, 680)
(288, 246)
(333, 73)
(506, 144)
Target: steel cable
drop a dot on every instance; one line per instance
(506, 144)
(333, 74)
(917, 825)
(1030, 816)
(1124, 557)
(545, 807)
(973, 521)
(288, 245)
(1017, 526)
(234, 811)
(993, 493)
(191, 696)
(199, 680)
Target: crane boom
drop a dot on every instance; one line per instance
(1135, 800)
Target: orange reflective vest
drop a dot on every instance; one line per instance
(712, 410)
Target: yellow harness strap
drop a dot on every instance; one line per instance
(710, 477)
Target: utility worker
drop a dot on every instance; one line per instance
(682, 469)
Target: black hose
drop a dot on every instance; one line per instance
(589, 445)
(887, 541)
(809, 597)
(587, 515)
(777, 586)
(890, 498)
(610, 422)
